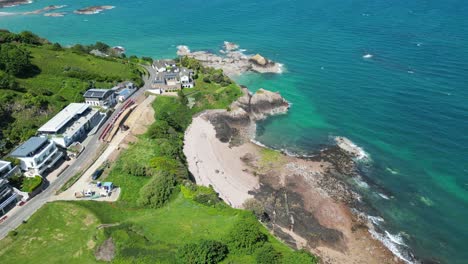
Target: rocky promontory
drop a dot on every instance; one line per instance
(232, 60)
(305, 201)
(238, 125)
(92, 10)
(10, 3)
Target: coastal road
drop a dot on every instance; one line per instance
(89, 153)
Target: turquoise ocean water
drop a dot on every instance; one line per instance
(407, 106)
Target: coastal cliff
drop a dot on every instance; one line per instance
(305, 201)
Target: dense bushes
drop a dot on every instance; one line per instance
(246, 236)
(267, 255)
(14, 59)
(26, 37)
(206, 196)
(157, 192)
(205, 252)
(8, 82)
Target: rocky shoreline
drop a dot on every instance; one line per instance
(306, 201)
(232, 61)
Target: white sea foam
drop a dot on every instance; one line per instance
(368, 56)
(392, 242)
(376, 220)
(352, 148)
(384, 196)
(7, 14)
(392, 171)
(281, 68)
(361, 183)
(258, 143)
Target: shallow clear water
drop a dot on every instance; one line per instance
(407, 106)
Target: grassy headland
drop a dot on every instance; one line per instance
(161, 215)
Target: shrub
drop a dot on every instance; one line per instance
(159, 129)
(205, 252)
(136, 168)
(300, 257)
(7, 82)
(30, 184)
(257, 209)
(267, 255)
(207, 198)
(157, 192)
(246, 236)
(169, 165)
(12, 233)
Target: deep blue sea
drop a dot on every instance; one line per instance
(406, 106)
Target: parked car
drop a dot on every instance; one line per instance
(97, 174)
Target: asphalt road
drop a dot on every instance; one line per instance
(88, 154)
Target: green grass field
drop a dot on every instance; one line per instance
(67, 232)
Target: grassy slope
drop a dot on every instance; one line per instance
(55, 87)
(52, 77)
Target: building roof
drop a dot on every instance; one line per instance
(4, 164)
(63, 117)
(163, 63)
(98, 93)
(125, 92)
(29, 146)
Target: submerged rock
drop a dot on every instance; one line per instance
(230, 46)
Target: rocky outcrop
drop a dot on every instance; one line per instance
(232, 61)
(259, 60)
(9, 3)
(262, 104)
(92, 10)
(239, 124)
(230, 46)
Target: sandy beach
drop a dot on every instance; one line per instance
(295, 192)
(218, 165)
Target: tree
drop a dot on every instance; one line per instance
(14, 60)
(171, 166)
(29, 38)
(182, 98)
(102, 47)
(204, 252)
(267, 255)
(156, 193)
(246, 236)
